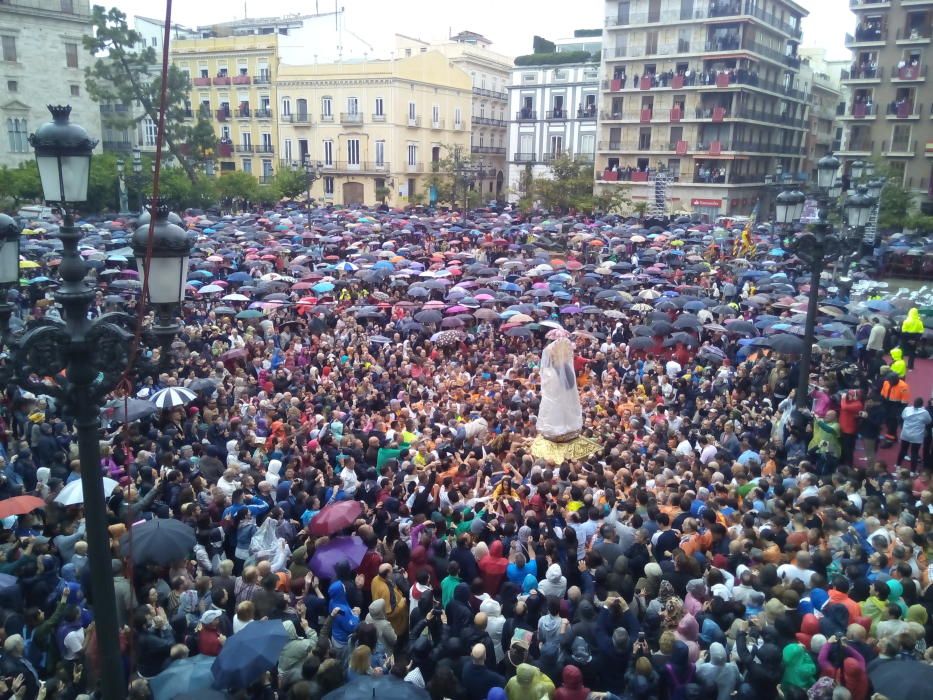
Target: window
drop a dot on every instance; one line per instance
(150, 132)
(327, 107)
(482, 110)
(225, 133)
(266, 140)
(9, 47)
(68, 6)
(380, 152)
(557, 145)
(12, 86)
(412, 154)
(587, 144)
(247, 165)
(436, 114)
(71, 55)
(458, 117)
(328, 153)
(328, 186)
(287, 147)
(353, 151)
(267, 168)
(301, 105)
(264, 103)
(18, 134)
(155, 41)
(247, 139)
(75, 90)
(412, 111)
(380, 107)
(482, 139)
(286, 107)
(353, 105)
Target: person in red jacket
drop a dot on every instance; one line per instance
(492, 568)
(849, 410)
(210, 640)
(572, 687)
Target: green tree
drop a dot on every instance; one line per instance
(102, 190)
(567, 186)
(453, 175)
(125, 74)
(182, 193)
(290, 184)
(20, 184)
(896, 205)
(237, 187)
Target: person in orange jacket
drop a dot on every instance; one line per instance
(895, 396)
(849, 410)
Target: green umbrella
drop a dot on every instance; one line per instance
(250, 313)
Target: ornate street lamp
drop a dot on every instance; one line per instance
(858, 208)
(827, 168)
(789, 206)
(79, 361)
(858, 169)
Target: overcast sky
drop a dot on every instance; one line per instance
(510, 24)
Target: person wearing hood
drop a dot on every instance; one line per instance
(495, 622)
(846, 666)
(799, 669)
(529, 683)
(551, 625)
(898, 365)
(294, 653)
(492, 568)
(345, 619)
(911, 331)
(384, 588)
(763, 667)
(458, 611)
(273, 475)
(478, 679)
(572, 687)
(718, 672)
(642, 681)
(554, 582)
(688, 632)
(385, 633)
(678, 673)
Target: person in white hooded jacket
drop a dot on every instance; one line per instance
(554, 583)
(272, 472)
(495, 621)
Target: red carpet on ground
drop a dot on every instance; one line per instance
(920, 380)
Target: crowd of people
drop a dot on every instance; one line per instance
(354, 466)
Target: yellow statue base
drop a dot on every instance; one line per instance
(557, 452)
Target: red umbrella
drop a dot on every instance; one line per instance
(20, 505)
(335, 517)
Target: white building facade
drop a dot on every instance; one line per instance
(552, 112)
(42, 62)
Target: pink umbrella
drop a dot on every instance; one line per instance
(457, 310)
(484, 297)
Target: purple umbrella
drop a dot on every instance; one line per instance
(339, 549)
(570, 309)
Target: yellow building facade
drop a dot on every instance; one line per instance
(233, 86)
(374, 127)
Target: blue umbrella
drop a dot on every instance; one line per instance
(323, 287)
(249, 653)
(239, 277)
(183, 676)
(384, 265)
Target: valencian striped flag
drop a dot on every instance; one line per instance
(744, 245)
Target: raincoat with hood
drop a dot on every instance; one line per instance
(799, 669)
(385, 634)
(554, 583)
(719, 672)
(898, 365)
(571, 685)
(345, 622)
(492, 568)
(529, 683)
(913, 323)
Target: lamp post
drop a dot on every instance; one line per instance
(313, 173)
(121, 188)
(138, 177)
(87, 358)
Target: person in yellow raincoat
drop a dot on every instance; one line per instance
(898, 365)
(911, 332)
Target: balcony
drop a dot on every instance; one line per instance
(908, 74)
(610, 146)
(526, 115)
(224, 150)
(870, 4)
(769, 118)
(266, 179)
(903, 110)
(262, 79)
(860, 110)
(201, 82)
(726, 42)
(223, 115)
(556, 115)
(862, 76)
(244, 148)
(734, 8)
(899, 149)
(867, 36)
(551, 157)
(491, 93)
(351, 118)
(222, 80)
(265, 149)
(414, 167)
(243, 113)
(859, 147)
(117, 145)
(438, 124)
(303, 119)
(489, 121)
(458, 126)
(263, 114)
(523, 157)
(490, 150)
(327, 118)
(913, 35)
(377, 117)
(414, 122)
(363, 166)
(242, 80)
(587, 113)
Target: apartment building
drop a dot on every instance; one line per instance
(489, 121)
(707, 92)
(233, 86)
(375, 127)
(889, 114)
(824, 94)
(42, 62)
(553, 110)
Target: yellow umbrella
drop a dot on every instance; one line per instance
(28, 265)
(677, 243)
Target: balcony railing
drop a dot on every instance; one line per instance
(414, 121)
(861, 110)
(262, 79)
(873, 34)
(438, 124)
(414, 167)
(266, 179)
(263, 114)
(762, 116)
(911, 34)
(377, 117)
(727, 42)
(492, 150)
(297, 118)
(908, 73)
(863, 73)
(363, 166)
(265, 148)
(903, 110)
(351, 117)
(870, 4)
(242, 80)
(244, 148)
(489, 121)
(899, 147)
(491, 93)
(187, 114)
(732, 8)
(222, 80)
(526, 115)
(556, 114)
(328, 118)
(200, 82)
(223, 115)
(858, 146)
(587, 113)
(242, 113)
(523, 157)
(117, 145)
(204, 112)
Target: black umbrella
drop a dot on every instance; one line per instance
(900, 678)
(687, 321)
(661, 328)
(129, 410)
(786, 343)
(682, 338)
(158, 541)
(741, 327)
(429, 316)
(381, 687)
(642, 331)
(641, 343)
(203, 384)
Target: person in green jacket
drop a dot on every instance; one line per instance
(911, 333)
(898, 365)
(827, 440)
(39, 633)
(529, 683)
(799, 669)
(449, 583)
